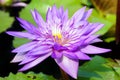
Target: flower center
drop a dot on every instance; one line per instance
(56, 32)
(58, 37)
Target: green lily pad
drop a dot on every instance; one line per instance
(28, 76)
(19, 41)
(108, 21)
(5, 21)
(97, 69)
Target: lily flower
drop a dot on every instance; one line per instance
(13, 3)
(65, 40)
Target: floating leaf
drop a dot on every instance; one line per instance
(115, 64)
(97, 69)
(110, 35)
(19, 41)
(86, 2)
(108, 21)
(5, 21)
(28, 76)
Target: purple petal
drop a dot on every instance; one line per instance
(58, 47)
(79, 14)
(49, 18)
(86, 29)
(19, 4)
(91, 38)
(82, 56)
(55, 15)
(25, 47)
(61, 11)
(38, 19)
(27, 59)
(35, 62)
(70, 55)
(87, 14)
(69, 66)
(56, 55)
(28, 26)
(40, 52)
(65, 17)
(80, 24)
(22, 34)
(54, 9)
(94, 50)
(96, 40)
(18, 57)
(96, 27)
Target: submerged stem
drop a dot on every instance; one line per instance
(118, 23)
(64, 75)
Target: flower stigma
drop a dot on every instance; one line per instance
(56, 32)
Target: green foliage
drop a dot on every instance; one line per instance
(109, 39)
(5, 21)
(108, 21)
(19, 41)
(98, 69)
(86, 2)
(28, 76)
(115, 64)
(42, 6)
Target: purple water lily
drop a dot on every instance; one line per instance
(14, 3)
(66, 40)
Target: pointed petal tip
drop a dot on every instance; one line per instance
(21, 70)
(22, 63)
(11, 32)
(108, 50)
(102, 24)
(24, 69)
(90, 11)
(20, 4)
(8, 32)
(12, 61)
(15, 61)
(54, 6)
(94, 50)
(18, 18)
(65, 66)
(83, 8)
(74, 76)
(14, 51)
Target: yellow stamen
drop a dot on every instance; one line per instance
(56, 32)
